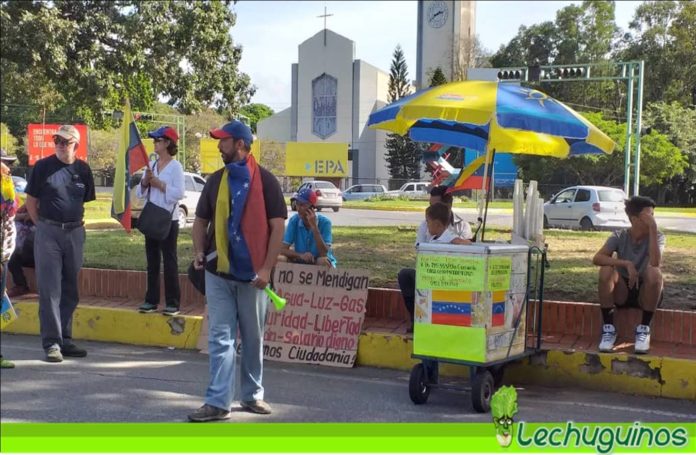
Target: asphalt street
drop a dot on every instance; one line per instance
(496, 217)
(121, 383)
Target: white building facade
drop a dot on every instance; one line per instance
(333, 95)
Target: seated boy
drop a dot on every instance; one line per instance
(310, 233)
(438, 230)
(633, 277)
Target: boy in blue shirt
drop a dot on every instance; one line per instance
(309, 233)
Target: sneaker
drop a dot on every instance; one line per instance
(608, 338)
(256, 406)
(17, 291)
(207, 413)
(6, 363)
(147, 307)
(642, 339)
(53, 355)
(170, 311)
(71, 350)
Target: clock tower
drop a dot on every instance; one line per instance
(446, 30)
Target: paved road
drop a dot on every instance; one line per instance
(496, 217)
(140, 384)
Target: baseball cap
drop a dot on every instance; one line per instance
(68, 132)
(307, 196)
(5, 157)
(235, 129)
(165, 131)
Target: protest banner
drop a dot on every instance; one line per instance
(323, 317)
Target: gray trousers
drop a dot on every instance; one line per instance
(58, 257)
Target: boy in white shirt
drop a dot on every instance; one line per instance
(437, 218)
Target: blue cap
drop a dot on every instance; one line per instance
(235, 129)
(307, 196)
(165, 131)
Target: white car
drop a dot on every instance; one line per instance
(413, 189)
(588, 208)
(193, 184)
(328, 196)
(362, 192)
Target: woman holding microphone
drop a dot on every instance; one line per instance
(163, 185)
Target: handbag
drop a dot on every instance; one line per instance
(154, 221)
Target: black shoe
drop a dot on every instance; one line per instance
(71, 350)
(170, 311)
(147, 307)
(207, 413)
(53, 355)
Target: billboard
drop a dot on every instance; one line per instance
(40, 141)
(316, 159)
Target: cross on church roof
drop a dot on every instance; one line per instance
(325, 15)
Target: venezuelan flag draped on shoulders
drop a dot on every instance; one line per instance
(241, 228)
(130, 158)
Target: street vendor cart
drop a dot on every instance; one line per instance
(471, 309)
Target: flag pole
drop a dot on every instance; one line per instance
(487, 184)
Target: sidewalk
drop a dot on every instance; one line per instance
(566, 359)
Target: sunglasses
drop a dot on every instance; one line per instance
(59, 141)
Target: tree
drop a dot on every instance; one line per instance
(256, 112)
(403, 155)
(471, 54)
(8, 142)
(437, 78)
(80, 58)
(660, 160)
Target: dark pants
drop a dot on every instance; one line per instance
(167, 250)
(58, 257)
(407, 284)
(17, 261)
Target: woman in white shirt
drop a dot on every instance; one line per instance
(164, 181)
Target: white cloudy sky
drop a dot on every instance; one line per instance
(270, 32)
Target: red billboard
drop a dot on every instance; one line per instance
(40, 141)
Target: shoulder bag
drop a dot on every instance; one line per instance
(154, 221)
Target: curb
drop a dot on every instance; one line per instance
(642, 375)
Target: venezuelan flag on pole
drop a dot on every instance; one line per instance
(473, 177)
(130, 158)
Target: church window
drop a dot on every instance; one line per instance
(324, 105)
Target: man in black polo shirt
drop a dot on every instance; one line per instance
(57, 190)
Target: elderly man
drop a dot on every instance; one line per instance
(237, 235)
(308, 234)
(57, 190)
(633, 278)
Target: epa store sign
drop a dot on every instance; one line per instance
(40, 141)
(316, 159)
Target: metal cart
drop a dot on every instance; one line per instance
(471, 309)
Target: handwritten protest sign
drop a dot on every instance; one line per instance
(450, 272)
(322, 319)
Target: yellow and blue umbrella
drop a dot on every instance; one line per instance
(482, 115)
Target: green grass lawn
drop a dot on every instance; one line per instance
(385, 250)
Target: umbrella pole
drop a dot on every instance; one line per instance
(489, 174)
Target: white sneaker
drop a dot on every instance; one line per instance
(608, 338)
(642, 339)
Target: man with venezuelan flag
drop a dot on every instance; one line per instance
(237, 236)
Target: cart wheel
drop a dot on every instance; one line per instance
(418, 388)
(498, 375)
(482, 389)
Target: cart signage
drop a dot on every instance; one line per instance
(450, 272)
(499, 270)
(323, 317)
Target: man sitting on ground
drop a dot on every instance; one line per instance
(458, 227)
(309, 233)
(633, 277)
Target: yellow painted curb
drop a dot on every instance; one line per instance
(115, 325)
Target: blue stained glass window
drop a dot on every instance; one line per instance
(324, 90)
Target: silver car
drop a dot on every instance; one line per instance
(193, 184)
(328, 196)
(587, 207)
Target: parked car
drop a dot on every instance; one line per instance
(362, 192)
(413, 189)
(328, 196)
(587, 207)
(20, 183)
(194, 184)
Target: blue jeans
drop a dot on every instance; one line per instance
(232, 303)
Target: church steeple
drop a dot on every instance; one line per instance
(325, 15)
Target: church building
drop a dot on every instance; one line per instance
(333, 95)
